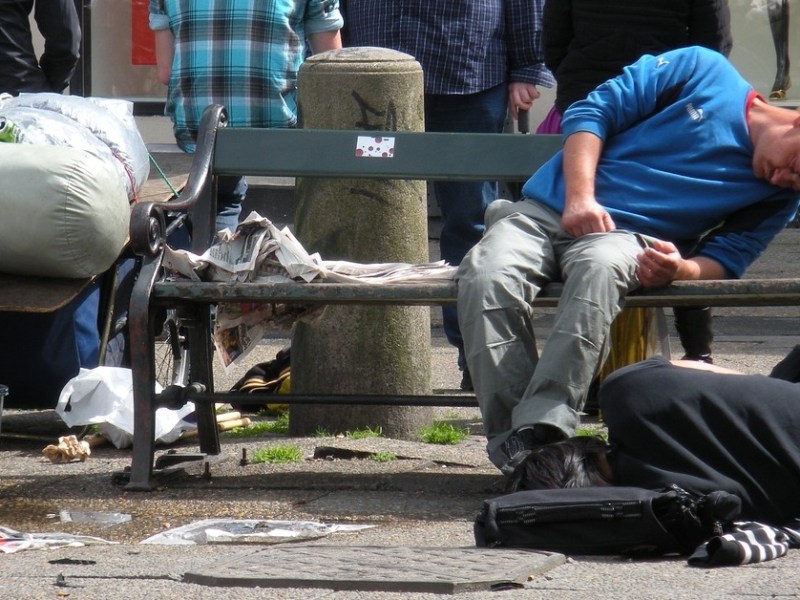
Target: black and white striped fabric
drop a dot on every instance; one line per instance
(748, 542)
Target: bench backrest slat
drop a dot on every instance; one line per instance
(429, 156)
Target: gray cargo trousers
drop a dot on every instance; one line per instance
(523, 249)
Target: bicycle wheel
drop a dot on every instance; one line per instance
(172, 352)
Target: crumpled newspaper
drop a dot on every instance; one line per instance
(67, 450)
(261, 253)
(256, 251)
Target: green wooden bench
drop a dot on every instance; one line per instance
(314, 153)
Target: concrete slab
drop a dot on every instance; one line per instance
(370, 568)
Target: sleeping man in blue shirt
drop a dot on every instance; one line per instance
(677, 148)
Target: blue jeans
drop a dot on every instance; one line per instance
(231, 191)
(463, 204)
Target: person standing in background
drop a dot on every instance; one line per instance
(778, 13)
(587, 43)
(479, 59)
(20, 69)
(242, 54)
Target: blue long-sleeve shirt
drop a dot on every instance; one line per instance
(677, 158)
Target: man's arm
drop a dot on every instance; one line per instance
(325, 40)
(660, 263)
(323, 24)
(582, 213)
(165, 51)
(642, 89)
(521, 96)
(164, 40)
(745, 234)
(57, 21)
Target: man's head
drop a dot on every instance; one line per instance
(575, 462)
(775, 132)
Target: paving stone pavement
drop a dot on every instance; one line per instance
(421, 505)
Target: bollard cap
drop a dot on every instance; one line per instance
(361, 54)
(364, 59)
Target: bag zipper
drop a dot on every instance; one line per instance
(623, 509)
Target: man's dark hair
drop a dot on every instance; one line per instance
(570, 463)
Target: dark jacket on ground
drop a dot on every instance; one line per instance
(705, 432)
(20, 70)
(587, 42)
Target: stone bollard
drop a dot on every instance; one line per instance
(359, 349)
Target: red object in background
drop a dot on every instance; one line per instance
(143, 47)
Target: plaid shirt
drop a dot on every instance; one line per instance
(463, 47)
(243, 54)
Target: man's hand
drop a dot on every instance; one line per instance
(521, 96)
(582, 213)
(588, 216)
(659, 264)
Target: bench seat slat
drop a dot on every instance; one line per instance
(739, 292)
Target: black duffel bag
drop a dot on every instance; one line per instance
(605, 520)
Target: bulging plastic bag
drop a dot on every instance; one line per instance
(103, 396)
(103, 126)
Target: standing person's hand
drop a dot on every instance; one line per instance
(521, 96)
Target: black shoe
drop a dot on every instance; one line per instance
(466, 381)
(695, 329)
(525, 440)
(517, 447)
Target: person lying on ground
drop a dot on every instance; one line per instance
(699, 426)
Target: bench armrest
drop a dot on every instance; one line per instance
(147, 228)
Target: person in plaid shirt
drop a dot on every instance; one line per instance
(243, 54)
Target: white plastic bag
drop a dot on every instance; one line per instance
(104, 126)
(103, 396)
